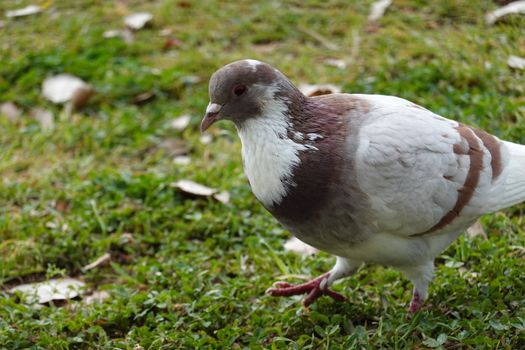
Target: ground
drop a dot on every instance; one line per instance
(191, 272)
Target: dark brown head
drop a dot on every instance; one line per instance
(244, 89)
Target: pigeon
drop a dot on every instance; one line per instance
(367, 178)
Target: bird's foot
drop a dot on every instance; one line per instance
(315, 288)
(415, 303)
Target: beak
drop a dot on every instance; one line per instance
(211, 116)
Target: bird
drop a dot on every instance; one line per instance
(370, 179)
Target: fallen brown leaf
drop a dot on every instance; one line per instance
(10, 110)
(193, 188)
(100, 261)
(182, 160)
(170, 43)
(26, 11)
(477, 230)
(191, 79)
(45, 118)
(516, 62)
(266, 47)
(341, 64)
(126, 238)
(138, 20)
(66, 87)
(206, 139)
(166, 31)
(181, 122)
(378, 9)
(124, 34)
(319, 89)
(143, 98)
(81, 95)
(223, 197)
(96, 297)
(320, 38)
(516, 7)
(53, 289)
(174, 147)
(62, 206)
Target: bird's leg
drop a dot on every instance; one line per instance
(420, 276)
(318, 286)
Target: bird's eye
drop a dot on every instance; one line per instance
(239, 89)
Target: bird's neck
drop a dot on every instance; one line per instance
(270, 151)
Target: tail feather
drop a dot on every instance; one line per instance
(514, 192)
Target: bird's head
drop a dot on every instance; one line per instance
(245, 89)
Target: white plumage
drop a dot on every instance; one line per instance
(367, 178)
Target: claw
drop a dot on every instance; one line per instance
(415, 303)
(281, 284)
(315, 288)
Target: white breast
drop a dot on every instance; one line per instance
(269, 156)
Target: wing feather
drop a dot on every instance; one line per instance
(416, 168)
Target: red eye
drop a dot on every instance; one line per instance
(239, 89)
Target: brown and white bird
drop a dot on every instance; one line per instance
(367, 178)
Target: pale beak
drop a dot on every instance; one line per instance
(211, 116)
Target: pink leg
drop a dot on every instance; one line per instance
(415, 303)
(315, 288)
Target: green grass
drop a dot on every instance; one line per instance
(195, 271)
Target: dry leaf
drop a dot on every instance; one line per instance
(378, 9)
(516, 7)
(193, 188)
(62, 206)
(321, 89)
(138, 347)
(101, 261)
(144, 98)
(125, 34)
(297, 246)
(81, 95)
(196, 189)
(10, 110)
(2, 24)
(191, 79)
(121, 7)
(174, 147)
(266, 47)
(516, 62)
(54, 289)
(126, 238)
(170, 43)
(112, 33)
(321, 39)
(26, 11)
(45, 118)
(223, 197)
(138, 20)
(182, 160)
(206, 139)
(341, 64)
(96, 297)
(181, 122)
(165, 31)
(517, 250)
(476, 230)
(469, 275)
(62, 88)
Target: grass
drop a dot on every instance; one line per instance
(191, 273)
